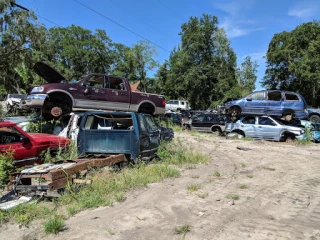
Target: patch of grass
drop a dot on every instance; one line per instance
(233, 196)
(203, 195)
(217, 174)
(246, 138)
(195, 176)
(177, 154)
(193, 187)
(119, 197)
(250, 176)
(25, 213)
(73, 209)
(191, 166)
(269, 168)
(63, 153)
(243, 165)
(307, 139)
(183, 230)
(54, 225)
(243, 186)
(111, 232)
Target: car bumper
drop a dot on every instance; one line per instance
(35, 100)
(160, 111)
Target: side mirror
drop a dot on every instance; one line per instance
(249, 99)
(86, 91)
(24, 140)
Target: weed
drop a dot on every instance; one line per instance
(141, 219)
(191, 166)
(269, 169)
(195, 176)
(217, 174)
(233, 196)
(62, 153)
(6, 166)
(119, 197)
(183, 230)
(203, 195)
(72, 210)
(243, 165)
(111, 233)
(193, 187)
(243, 186)
(54, 225)
(307, 139)
(250, 176)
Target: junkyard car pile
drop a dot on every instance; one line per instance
(85, 113)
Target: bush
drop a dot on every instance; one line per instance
(6, 167)
(54, 225)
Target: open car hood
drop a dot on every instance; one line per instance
(48, 73)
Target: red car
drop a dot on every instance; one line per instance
(27, 147)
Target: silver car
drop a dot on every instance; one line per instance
(263, 127)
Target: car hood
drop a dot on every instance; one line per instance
(42, 138)
(48, 73)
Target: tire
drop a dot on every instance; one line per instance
(235, 111)
(314, 118)
(287, 115)
(216, 131)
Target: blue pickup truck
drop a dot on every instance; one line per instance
(133, 134)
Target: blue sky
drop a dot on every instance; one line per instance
(250, 24)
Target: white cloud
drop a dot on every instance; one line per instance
(304, 9)
(236, 23)
(236, 28)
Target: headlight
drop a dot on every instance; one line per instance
(301, 131)
(37, 90)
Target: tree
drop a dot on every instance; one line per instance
(293, 62)
(247, 76)
(19, 34)
(202, 68)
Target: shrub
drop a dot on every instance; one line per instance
(6, 167)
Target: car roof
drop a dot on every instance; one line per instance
(6, 123)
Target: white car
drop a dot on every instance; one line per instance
(263, 127)
(177, 105)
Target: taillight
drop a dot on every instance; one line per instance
(163, 103)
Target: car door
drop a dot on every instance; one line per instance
(197, 122)
(255, 103)
(150, 135)
(274, 103)
(118, 96)
(249, 127)
(93, 94)
(268, 128)
(11, 140)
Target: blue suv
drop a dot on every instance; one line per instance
(275, 103)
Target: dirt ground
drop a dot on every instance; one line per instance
(281, 201)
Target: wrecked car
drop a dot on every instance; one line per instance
(12, 102)
(207, 123)
(314, 114)
(263, 127)
(275, 103)
(68, 126)
(27, 147)
(94, 91)
(135, 135)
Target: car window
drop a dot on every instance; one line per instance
(257, 96)
(169, 102)
(142, 124)
(96, 81)
(274, 96)
(9, 135)
(249, 120)
(266, 121)
(291, 97)
(151, 123)
(116, 83)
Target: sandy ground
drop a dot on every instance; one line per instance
(282, 200)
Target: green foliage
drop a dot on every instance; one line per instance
(193, 187)
(62, 153)
(233, 196)
(246, 76)
(293, 62)
(183, 230)
(54, 225)
(6, 167)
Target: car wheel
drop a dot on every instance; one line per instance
(289, 139)
(314, 118)
(235, 111)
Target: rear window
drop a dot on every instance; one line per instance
(291, 97)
